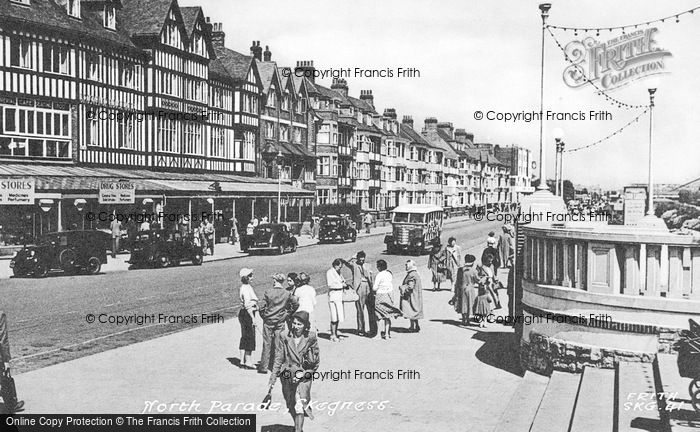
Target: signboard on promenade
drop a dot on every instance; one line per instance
(17, 191)
(635, 204)
(120, 192)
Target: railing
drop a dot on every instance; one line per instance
(607, 260)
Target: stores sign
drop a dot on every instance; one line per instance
(616, 62)
(117, 193)
(17, 191)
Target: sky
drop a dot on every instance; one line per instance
(485, 56)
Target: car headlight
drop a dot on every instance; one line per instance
(31, 254)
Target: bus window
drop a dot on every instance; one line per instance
(401, 217)
(417, 218)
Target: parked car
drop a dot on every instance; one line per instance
(69, 251)
(271, 237)
(336, 228)
(162, 248)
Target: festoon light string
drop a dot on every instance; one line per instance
(617, 132)
(624, 28)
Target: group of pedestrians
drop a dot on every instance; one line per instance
(372, 293)
(476, 285)
(290, 348)
(289, 328)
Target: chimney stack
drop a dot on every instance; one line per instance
(340, 85)
(461, 136)
(431, 124)
(307, 67)
(408, 121)
(267, 55)
(447, 128)
(218, 37)
(256, 50)
(390, 113)
(366, 95)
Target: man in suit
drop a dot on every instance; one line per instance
(5, 358)
(362, 284)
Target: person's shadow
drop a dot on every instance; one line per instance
(499, 350)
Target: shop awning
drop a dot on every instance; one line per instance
(72, 180)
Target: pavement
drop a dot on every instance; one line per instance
(222, 251)
(462, 377)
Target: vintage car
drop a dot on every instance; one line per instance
(415, 227)
(336, 229)
(69, 251)
(162, 248)
(271, 237)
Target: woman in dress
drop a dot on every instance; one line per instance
(466, 290)
(383, 304)
(436, 264)
(246, 316)
(486, 297)
(295, 362)
(411, 303)
(307, 297)
(453, 259)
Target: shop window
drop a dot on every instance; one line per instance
(36, 148)
(63, 149)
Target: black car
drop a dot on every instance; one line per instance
(161, 248)
(271, 237)
(70, 251)
(336, 229)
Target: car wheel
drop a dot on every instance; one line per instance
(66, 259)
(354, 237)
(198, 259)
(94, 265)
(163, 261)
(18, 273)
(40, 271)
(294, 247)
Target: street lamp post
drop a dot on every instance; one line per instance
(279, 184)
(558, 135)
(544, 9)
(652, 90)
(650, 221)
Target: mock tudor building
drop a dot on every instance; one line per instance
(95, 92)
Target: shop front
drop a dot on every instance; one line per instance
(72, 198)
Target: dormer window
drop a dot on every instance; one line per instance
(74, 8)
(198, 44)
(171, 34)
(110, 17)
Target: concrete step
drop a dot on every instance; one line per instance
(522, 407)
(675, 403)
(554, 413)
(594, 410)
(637, 407)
